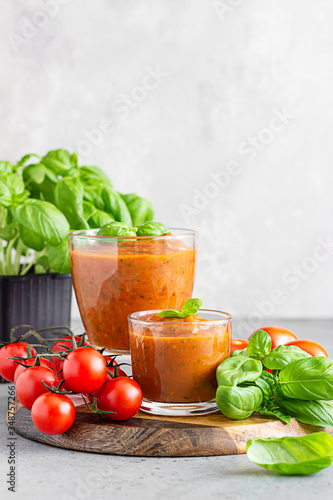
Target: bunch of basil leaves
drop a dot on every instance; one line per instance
(43, 198)
(297, 385)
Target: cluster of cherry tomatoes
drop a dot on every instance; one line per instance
(283, 336)
(42, 386)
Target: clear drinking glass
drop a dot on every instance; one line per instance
(175, 361)
(115, 276)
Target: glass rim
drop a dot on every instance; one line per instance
(78, 233)
(131, 317)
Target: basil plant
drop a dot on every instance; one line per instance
(43, 198)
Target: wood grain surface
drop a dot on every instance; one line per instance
(151, 436)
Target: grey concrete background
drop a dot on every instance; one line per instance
(219, 111)
(51, 473)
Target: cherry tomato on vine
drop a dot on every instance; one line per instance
(85, 370)
(30, 362)
(61, 345)
(123, 396)
(238, 344)
(64, 385)
(29, 384)
(309, 346)
(112, 370)
(53, 413)
(278, 334)
(7, 365)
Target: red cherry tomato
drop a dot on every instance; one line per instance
(238, 344)
(64, 386)
(30, 362)
(309, 346)
(53, 413)
(85, 370)
(61, 345)
(29, 384)
(278, 334)
(112, 370)
(121, 395)
(7, 365)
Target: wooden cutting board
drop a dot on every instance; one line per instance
(151, 436)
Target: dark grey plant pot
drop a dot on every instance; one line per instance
(39, 300)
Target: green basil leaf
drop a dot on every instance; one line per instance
(58, 258)
(26, 158)
(238, 403)
(239, 352)
(117, 229)
(233, 371)
(115, 206)
(152, 229)
(191, 307)
(31, 239)
(75, 161)
(5, 195)
(141, 210)
(309, 379)
(9, 232)
(282, 355)
(50, 175)
(34, 173)
(319, 413)
(44, 219)
(99, 219)
(260, 345)
(45, 190)
(6, 166)
(292, 455)
(43, 264)
(68, 196)
(11, 189)
(265, 387)
(59, 161)
(91, 175)
(88, 209)
(93, 194)
(271, 380)
(273, 409)
(170, 313)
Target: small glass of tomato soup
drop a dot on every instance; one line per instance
(174, 360)
(115, 276)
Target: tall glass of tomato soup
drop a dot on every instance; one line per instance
(115, 276)
(174, 360)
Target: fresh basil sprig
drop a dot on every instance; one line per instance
(292, 455)
(260, 345)
(301, 386)
(114, 228)
(189, 308)
(117, 229)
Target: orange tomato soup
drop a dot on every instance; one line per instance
(175, 360)
(114, 280)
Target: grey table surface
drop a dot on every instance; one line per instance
(45, 472)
